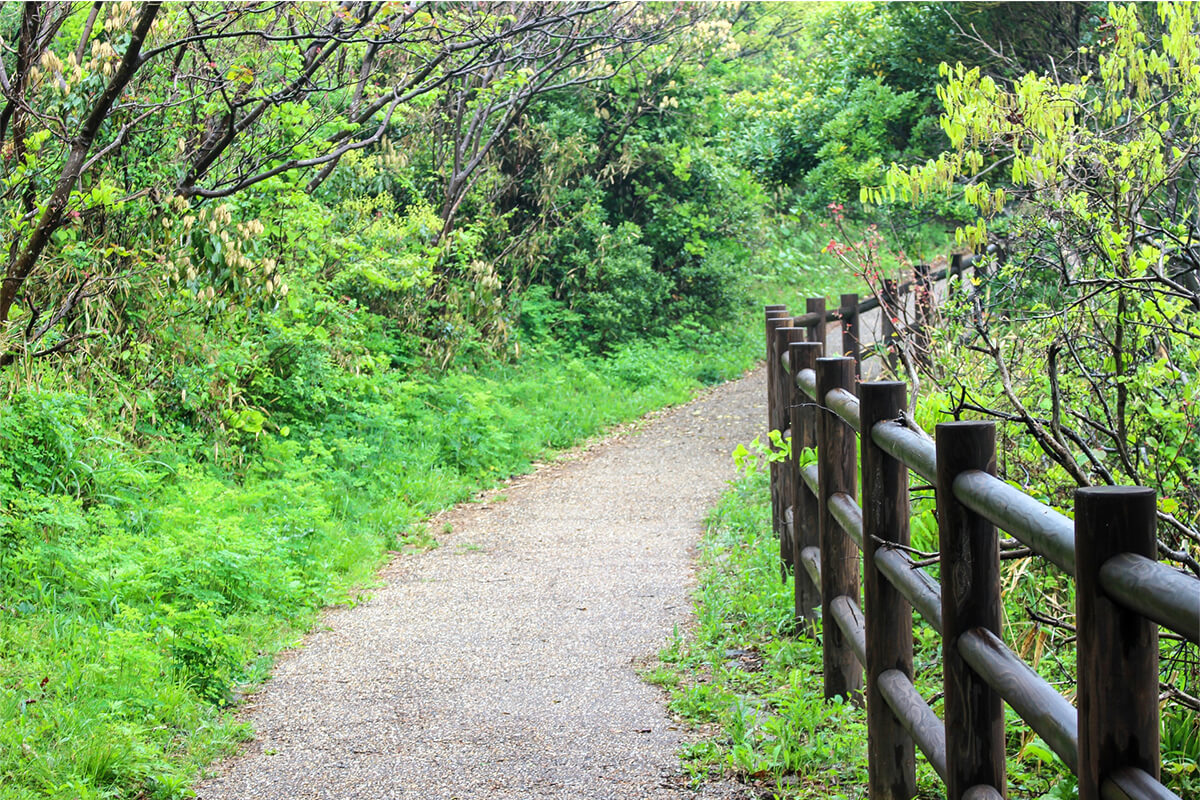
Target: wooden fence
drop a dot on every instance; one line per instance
(893, 306)
(833, 543)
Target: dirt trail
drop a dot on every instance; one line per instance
(503, 664)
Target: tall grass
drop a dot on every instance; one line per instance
(754, 683)
(139, 593)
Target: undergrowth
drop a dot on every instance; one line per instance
(141, 590)
(751, 683)
(743, 676)
(153, 562)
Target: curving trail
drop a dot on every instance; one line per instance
(503, 664)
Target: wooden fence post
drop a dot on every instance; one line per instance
(776, 317)
(970, 576)
(805, 507)
(816, 331)
(837, 464)
(850, 334)
(1117, 649)
(956, 268)
(891, 758)
(889, 311)
(787, 420)
(923, 305)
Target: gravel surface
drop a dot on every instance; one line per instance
(503, 664)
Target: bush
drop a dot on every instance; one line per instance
(42, 438)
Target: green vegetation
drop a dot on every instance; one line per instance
(1083, 332)
(281, 280)
(1070, 146)
(747, 672)
(141, 591)
(741, 669)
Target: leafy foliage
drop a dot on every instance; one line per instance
(283, 279)
(753, 682)
(849, 97)
(140, 592)
(1084, 334)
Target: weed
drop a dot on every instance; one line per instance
(736, 670)
(746, 671)
(138, 595)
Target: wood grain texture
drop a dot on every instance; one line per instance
(810, 558)
(815, 306)
(807, 593)
(970, 574)
(848, 515)
(1034, 524)
(1043, 709)
(849, 618)
(1117, 649)
(811, 476)
(909, 446)
(837, 464)
(889, 296)
(891, 755)
(926, 730)
(1130, 783)
(844, 403)
(851, 344)
(914, 583)
(806, 379)
(775, 318)
(1155, 590)
(784, 337)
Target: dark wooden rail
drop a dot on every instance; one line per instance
(1111, 740)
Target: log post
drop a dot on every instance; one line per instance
(837, 465)
(805, 507)
(923, 305)
(1117, 656)
(889, 311)
(891, 757)
(850, 332)
(970, 576)
(786, 396)
(816, 331)
(777, 317)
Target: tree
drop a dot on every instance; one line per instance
(608, 192)
(1086, 336)
(476, 110)
(111, 110)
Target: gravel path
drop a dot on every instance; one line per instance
(503, 664)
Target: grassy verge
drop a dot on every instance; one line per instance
(149, 574)
(141, 591)
(799, 264)
(752, 685)
(741, 675)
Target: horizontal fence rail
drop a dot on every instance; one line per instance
(836, 545)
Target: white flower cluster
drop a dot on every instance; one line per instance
(245, 274)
